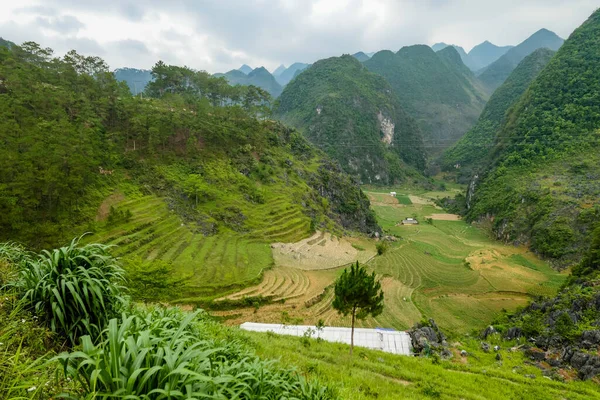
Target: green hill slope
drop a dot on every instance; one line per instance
(543, 185)
(354, 117)
(499, 70)
(439, 94)
(258, 77)
(473, 149)
(178, 178)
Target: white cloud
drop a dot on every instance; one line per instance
(218, 35)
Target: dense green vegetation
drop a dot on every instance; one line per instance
(189, 175)
(435, 88)
(258, 77)
(499, 70)
(471, 152)
(354, 117)
(543, 185)
(142, 353)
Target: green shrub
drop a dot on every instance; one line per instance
(163, 353)
(75, 289)
(382, 247)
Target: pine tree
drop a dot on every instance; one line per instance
(359, 294)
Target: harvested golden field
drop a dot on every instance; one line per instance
(322, 251)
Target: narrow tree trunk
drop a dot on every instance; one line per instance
(352, 332)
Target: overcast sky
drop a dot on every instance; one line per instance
(219, 35)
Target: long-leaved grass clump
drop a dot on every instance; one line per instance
(162, 354)
(75, 289)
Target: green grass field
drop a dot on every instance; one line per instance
(451, 271)
(209, 265)
(447, 270)
(371, 374)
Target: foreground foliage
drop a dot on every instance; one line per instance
(165, 353)
(146, 353)
(75, 289)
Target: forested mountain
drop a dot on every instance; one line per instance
(246, 69)
(258, 77)
(136, 79)
(353, 115)
(473, 149)
(543, 184)
(435, 88)
(499, 70)
(6, 43)
(73, 136)
(360, 56)
(286, 76)
(484, 54)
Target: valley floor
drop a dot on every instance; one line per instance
(446, 269)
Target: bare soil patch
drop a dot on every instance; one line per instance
(444, 217)
(104, 208)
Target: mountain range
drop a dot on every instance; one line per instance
(494, 74)
(479, 57)
(542, 183)
(258, 77)
(473, 149)
(435, 88)
(355, 117)
(136, 79)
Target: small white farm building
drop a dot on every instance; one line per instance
(410, 221)
(388, 340)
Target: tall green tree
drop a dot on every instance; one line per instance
(359, 294)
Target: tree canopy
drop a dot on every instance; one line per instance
(359, 294)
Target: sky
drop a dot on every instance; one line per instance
(220, 35)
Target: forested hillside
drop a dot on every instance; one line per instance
(543, 184)
(353, 115)
(471, 153)
(499, 70)
(75, 142)
(440, 93)
(6, 43)
(258, 77)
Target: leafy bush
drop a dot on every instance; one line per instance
(382, 247)
(162, 353)
(76, 289)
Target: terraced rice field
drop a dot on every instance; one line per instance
(322, 251)
(449, 270)
(209, 265)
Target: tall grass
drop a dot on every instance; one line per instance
(75, 289)
(162, 355)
